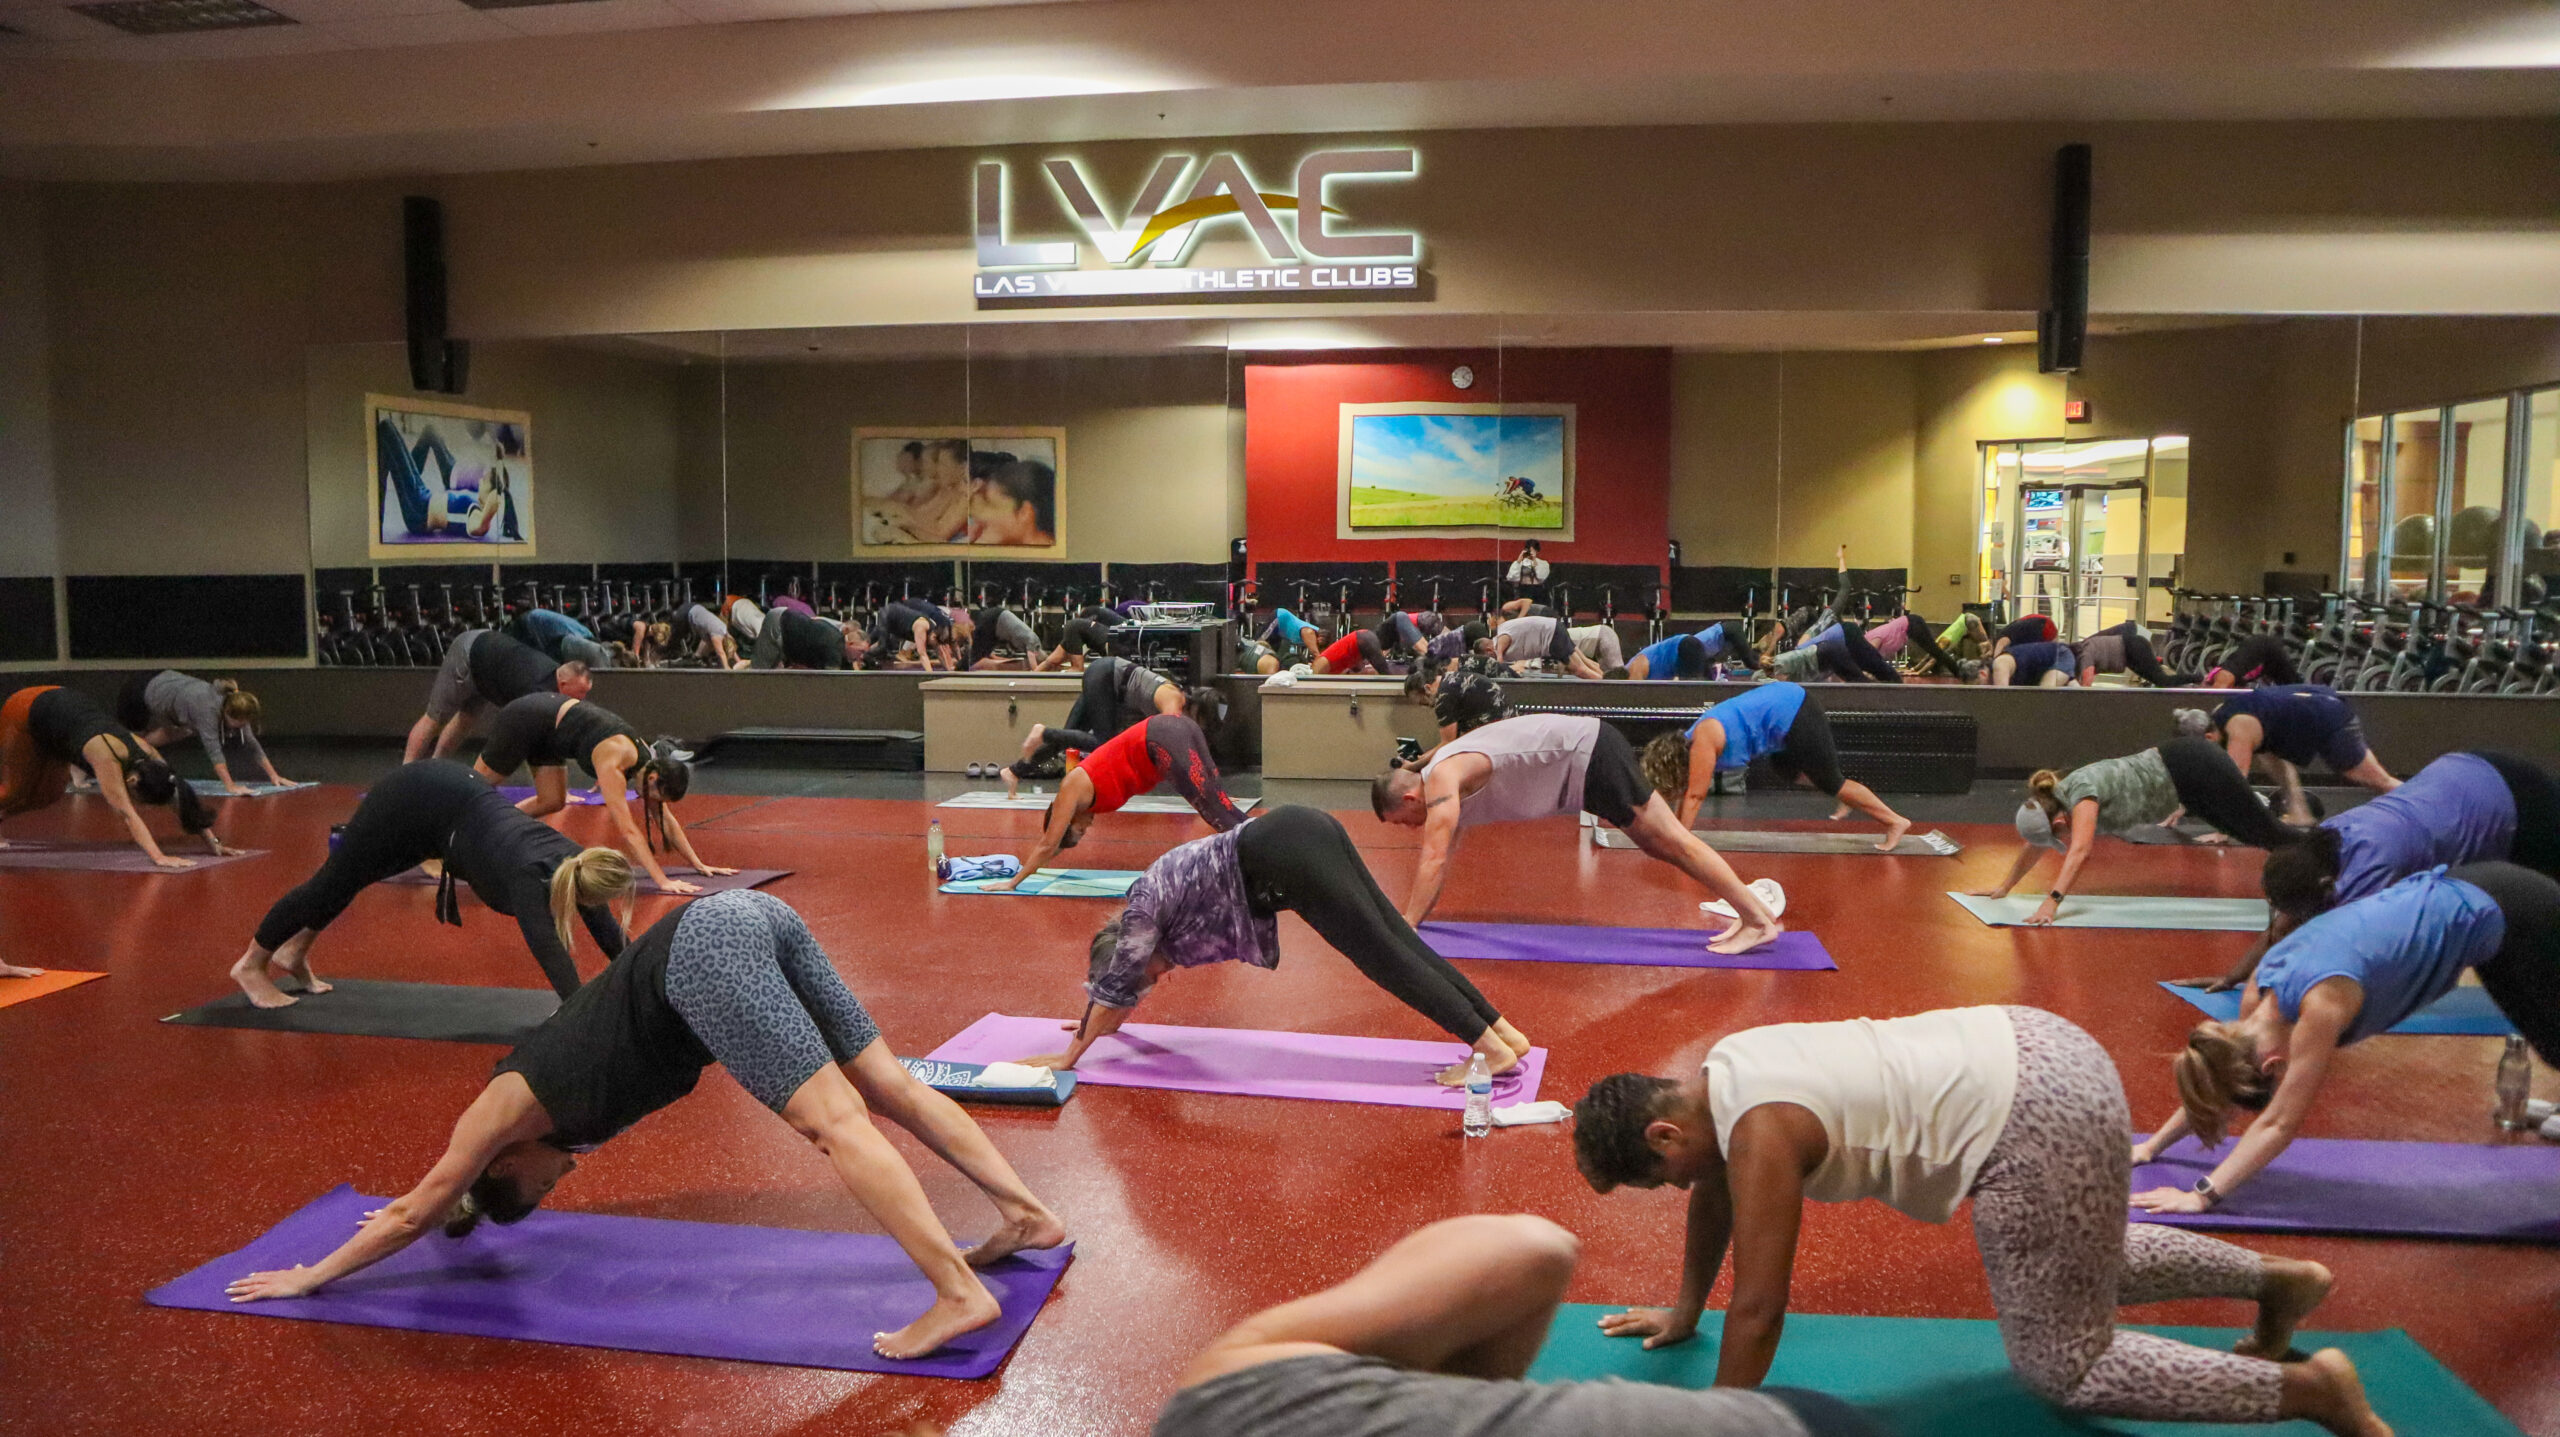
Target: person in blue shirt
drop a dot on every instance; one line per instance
(1780, 720)
(2341, 978)
(2043, 664)
(1288, 631)
(1687, 656)
(562, 637)
(2290, 725)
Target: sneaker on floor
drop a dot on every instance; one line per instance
(1771, 896)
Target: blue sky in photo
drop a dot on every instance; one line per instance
(1457, 454)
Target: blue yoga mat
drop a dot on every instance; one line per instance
(1055, 883)
(960, 1081)
(2462, 1013)
(212, 788)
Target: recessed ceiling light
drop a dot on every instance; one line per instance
(1994, 339)
(182, 17)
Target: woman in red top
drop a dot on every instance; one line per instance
(1357, 649)
(1129, 764)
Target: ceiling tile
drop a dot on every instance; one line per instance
(56, 23)
(585, 17)
(390, 32)
(238, 44)
(332, 12)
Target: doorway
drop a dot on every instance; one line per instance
(2089, 533)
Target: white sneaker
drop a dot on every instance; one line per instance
(2550, 1127)
(1766, 890)
(971, 770)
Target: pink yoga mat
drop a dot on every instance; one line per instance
(1324, 1067)
(111, 857)
(1795, 949)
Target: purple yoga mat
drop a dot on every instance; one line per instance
(2501, 1192)
(1795, 950)
(1325, 1067)
(743, 878)
(578, 797)
(111, 857)
(693, 1289)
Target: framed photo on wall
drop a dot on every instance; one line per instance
(922, 493)
(1455, 470)
(447, 477)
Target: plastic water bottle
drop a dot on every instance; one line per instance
(933, 846)
(2515, 1086)
(1479, 1119)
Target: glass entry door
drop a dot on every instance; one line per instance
(2067, 530)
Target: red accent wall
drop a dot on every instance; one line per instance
(1621, 447)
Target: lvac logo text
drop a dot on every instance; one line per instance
(1161, 230)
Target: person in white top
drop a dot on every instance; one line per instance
(1528, 573)
(1540, 766)
(2012, 1107)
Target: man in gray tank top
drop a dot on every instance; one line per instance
(1431, 1339)
(1540, 766)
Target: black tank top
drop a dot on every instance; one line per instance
(617, 1050)
(62, 721)
(504, 669)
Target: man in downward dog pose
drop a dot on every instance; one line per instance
(1780, 720)
(1544, 766)
(736, 979)
(485, 669)
(1143, 755)
(1218, 899)
(1432, 1338)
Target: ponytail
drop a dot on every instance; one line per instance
(2301, 878)
(591, 877)
(2040, 790)
(1666, 766)
(669, 765)
(239, 706)
(2217, 1072)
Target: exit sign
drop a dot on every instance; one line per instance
(2075, 411)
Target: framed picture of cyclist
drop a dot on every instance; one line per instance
(447, 477)
(1454, 470)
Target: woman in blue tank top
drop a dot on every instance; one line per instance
(2343, 977)
(1779, 720)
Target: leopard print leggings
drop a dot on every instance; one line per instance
(750, 980)
(2049, 1216)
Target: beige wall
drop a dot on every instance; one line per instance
(605, 448)
(1147, 456)
(1784, 458)
(27, 539)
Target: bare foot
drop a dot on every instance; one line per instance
(1012, 782)
(302, 972)
(1516, 1040)
(251, 974)
(949, 1317)
(1893, 834)
(2292, 1289)
(1742, 937)
(12, 970)
(1037, 1228)
(1839, 813)
(2325, 1389)
(1499, 1058)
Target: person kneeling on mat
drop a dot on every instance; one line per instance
(2462, 808)
(1541, 636)
(2116, 796)
(2289, 726)
(1433, 1338)
(164, 707)
(2257, 659)
(2046, 664)
(549, 732)
(2343, 977)
(2123, 649)
(46, 732)
(1116, 694)
(1119, 769)
(1839, 649)
(1780, 720)
(1545, 766)
(436, 811)
(2014, 1108)
(1690, 656)
(1357, 651)
(735, 979)
(1218, 900)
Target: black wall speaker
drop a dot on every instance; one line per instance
(1235, 561)
(437, 365)
(2062, 328)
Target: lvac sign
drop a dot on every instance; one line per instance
(1146, 248)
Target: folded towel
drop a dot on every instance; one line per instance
(1521, 1114)
(1766, 889)
(1015, 1075)
(966, 870)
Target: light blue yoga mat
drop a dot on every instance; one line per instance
(2462, 1013)
(1949, 1377)
(1056, 883)
(212, 788)
(2108, 910)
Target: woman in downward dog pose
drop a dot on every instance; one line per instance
(47, 732)
(167, 706)
(437, 811)
(2014, 1108)
(735, 979)
(1116, 694)
(2115, 796)
(549, 733)
(1142, 756)
(1218, 900)
(1688, 656)
(1780, 720)
(2341, 978)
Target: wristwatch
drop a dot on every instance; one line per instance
(2205, 1189)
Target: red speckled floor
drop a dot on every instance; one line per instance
(135, 1150)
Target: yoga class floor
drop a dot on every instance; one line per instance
(136, 1150)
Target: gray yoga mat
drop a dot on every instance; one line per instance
(2105, 910)
(1932, 844)
(436, 1012)
(117, 857)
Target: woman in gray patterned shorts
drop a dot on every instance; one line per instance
(1431, 1339)
(2012, 1107)
(735, 979)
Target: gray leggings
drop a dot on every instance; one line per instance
(750, 980)
(2049, 1216)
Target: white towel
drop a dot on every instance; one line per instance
(1015, 1075)
(1769, 894)
(1521, 1114)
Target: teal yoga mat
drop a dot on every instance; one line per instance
(2109, 910)
(1948, 1377)
(2462, 1013)
(1056, 883)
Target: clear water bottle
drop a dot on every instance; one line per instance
(2515, 1085)
(1479, 1120)
(933, 846)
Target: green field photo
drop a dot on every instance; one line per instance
(1446, 468)
(1374, 508)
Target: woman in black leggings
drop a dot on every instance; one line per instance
(2122, 649)
(433, 810)
(1116, 694)
(1183, 914)
(548, 733)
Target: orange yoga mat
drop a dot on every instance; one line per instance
(19, 990)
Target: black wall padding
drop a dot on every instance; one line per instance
(26, 620)
(1279, 582)
(925, 578)
(1175, 583)
(1630, 585)
(515, 575)
(1051, 581)
(1462, 582)
(397, 577)
(1717, 588)
(327, 583)
(215, 616)
(636, 573)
